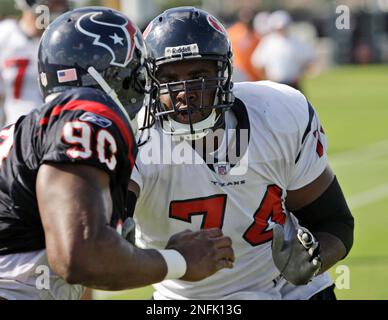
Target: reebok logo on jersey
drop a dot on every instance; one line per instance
(96, 119)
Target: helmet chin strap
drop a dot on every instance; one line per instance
(111, 93)
(201, 129)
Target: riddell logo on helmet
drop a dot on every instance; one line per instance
(188, 49)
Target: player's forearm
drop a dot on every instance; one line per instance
(332, 250)
(111, 263)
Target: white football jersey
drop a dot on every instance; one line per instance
(286, 151)
(19, 71)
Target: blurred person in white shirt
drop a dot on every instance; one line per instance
(281, 57)
(260, 23)
(19, 39)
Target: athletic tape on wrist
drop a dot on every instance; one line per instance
(176, 264)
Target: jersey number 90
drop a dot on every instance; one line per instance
(79, 134)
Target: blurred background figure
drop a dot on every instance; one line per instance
(260, 23)
(280, 56)
(244, 40)
(19, 41)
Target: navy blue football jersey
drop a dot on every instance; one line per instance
(80, 126)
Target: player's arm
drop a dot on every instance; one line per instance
(315, 197)
(321, 207)
(224, 243)
(327, 233)
(75, 206)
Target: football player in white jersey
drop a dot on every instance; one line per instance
(18, 58)
(249, 159)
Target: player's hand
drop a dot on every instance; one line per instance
(297, 259)
(205, 252)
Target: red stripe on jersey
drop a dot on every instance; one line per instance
(44, 121)
(319, 148)
(101, 110)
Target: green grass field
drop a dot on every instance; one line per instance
(352, 103)
(353, 106)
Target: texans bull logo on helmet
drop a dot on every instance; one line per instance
(118, 37)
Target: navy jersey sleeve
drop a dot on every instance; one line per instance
(87, 129)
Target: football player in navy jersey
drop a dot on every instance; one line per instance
(247, 157)
(64, 172)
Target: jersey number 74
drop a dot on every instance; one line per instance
(213, 210)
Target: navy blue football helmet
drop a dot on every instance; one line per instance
(188, 33)
(95, 47)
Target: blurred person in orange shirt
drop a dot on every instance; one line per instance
(244, 40)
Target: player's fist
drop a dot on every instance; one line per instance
(205, 252)
(297, 259)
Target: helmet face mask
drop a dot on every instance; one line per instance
(189, 34)
(95, 47)
(185, 97)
